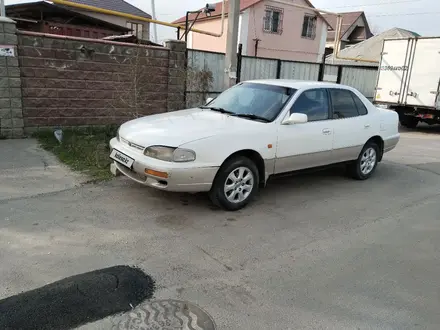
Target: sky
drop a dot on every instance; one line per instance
(421, 16)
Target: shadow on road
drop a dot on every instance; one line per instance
(421, 128)
(279, 190)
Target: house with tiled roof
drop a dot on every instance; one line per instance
(270, 29)
(48, 17)
(140, 29)
(355, 29)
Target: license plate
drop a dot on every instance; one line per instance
(121, 158)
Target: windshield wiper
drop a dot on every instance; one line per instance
(217, 109)
(241, 115)
(251, 116)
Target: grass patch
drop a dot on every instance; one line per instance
(86, 151)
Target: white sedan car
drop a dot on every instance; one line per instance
(232, 145)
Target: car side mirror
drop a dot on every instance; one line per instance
(296, 118)
(209, 99)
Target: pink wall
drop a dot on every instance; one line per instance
(287, 46)
(209, 43)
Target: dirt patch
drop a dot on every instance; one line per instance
(173, 221)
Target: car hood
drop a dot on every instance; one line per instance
(180, 127)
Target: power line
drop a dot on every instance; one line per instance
(406, 14)
(377, 4)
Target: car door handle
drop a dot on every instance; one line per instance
(326, 131)
(367, 125)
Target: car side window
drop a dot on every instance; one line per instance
(343, 104)
(362, 109)
(313, 103)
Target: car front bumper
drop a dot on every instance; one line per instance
(181, 177)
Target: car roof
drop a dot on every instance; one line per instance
(297, 84)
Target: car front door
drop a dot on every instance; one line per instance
(308, 144)
(352, 127)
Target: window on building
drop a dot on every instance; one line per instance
(136, 29)
(273, 20)
(309, 27)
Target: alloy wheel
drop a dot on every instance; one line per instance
(239, 185)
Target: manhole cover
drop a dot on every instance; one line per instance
(167, 315)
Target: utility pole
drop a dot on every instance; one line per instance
(153, 12)
(2, 8)
(231, 43)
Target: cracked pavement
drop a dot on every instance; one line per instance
(27, 170)
(315, 251)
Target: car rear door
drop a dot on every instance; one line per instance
(310, 144)
(351, 124)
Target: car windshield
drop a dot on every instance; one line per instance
(253, 101)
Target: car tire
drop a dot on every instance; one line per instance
(236, 184)
(365, 165)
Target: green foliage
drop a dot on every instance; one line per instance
(85, 150)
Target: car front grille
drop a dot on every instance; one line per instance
(132, 145)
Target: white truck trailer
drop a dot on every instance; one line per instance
(408, 79)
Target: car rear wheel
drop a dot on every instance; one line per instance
(235, 184)
(365, 165)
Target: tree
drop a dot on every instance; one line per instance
(375, 29)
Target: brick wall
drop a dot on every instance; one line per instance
(76, 82)
(11, 116)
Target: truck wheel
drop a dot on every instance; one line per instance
(236, 184)
(409, 121)
(365, 165)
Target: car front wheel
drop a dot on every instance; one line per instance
(236, 184)
(365, 165)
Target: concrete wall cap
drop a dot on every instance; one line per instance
(4, 19)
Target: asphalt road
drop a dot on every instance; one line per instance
(314, 252)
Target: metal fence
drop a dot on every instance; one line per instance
(213, 65)
(258, 68)
(361, 78)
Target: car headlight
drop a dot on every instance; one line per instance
(160, 152)
(184, 155)
(170, 154)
